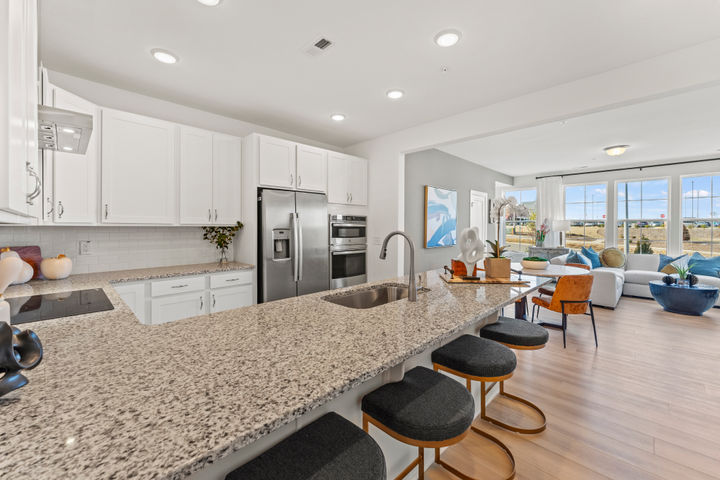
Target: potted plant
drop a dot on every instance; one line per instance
(497, 266)
(222, 238)
(541, 233)
(682, 267)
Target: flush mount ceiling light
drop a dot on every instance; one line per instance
(164, 56)
(395, 94)
(210, 3)
(616, 150)
(338, 117)
(448, 38)
(67, 149)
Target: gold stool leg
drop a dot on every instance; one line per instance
(507, 426)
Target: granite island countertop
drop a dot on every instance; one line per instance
(117, 399)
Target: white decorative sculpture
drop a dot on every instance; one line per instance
(472, 248)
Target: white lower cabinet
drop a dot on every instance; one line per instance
(222, 299)
(133, 294)
(177, 307)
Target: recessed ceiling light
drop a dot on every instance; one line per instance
(68, 130)
(67, 149)
(163, 56)
(447, 38)
(338, 117)
(395, 94)
(616, 150)
(209, 3)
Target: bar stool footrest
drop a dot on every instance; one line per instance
(514, 428)
(486, 435)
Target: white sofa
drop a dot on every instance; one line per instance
(610, 284)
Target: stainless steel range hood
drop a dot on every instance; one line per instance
(63, 130)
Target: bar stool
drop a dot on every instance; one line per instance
(518, 335)
(426, 410)
(329, 448)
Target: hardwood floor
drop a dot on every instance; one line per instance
(644, 405)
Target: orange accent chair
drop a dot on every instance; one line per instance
(571, 297)
(549, 290)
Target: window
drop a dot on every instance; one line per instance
(642, 216)
(585, 207)
(701, 215)
(520, 232)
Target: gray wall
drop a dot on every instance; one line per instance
(440, 169)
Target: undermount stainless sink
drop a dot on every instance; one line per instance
(371, 297)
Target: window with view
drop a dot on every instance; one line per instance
(585, 208)
(701, 214)
(520, 232)
(642, 216)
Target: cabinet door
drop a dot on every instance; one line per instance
(227, 166)
(138, 169)
(222, 299)
(134, 297)
(357, 180)
(338, 175)
(196, 176)
(311, 169)
(277, 162)
(177, 307)
(74, 175)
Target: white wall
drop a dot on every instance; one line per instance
(674, 175)
(660, 76)
(116, 248)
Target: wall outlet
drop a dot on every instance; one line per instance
(85, 247)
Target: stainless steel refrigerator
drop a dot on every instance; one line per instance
(293, 244)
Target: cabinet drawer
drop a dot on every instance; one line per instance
(177, 285)
(176, 307)
(231, 279)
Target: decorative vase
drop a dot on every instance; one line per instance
(223, 256)
(668, 280)
(461, 268)
(18, 351)
(683, 282)
(497, 267)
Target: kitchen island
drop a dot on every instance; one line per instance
(116, 399)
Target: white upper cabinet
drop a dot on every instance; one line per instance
(74, 177)
(277, 162)
(347, 179)
(196, 176)
(227, 167)
(311, 169)
(138, 169)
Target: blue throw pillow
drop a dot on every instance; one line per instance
(577, 257)
(593, 256)
(700, 265)
(666, 260)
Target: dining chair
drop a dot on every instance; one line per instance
(550, 289)
(571, 297)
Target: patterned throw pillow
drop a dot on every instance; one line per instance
(592, 255)
(612, 257)
(577, 257)
(666, 264)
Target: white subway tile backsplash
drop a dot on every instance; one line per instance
(116, 248)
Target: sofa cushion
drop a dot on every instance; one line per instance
(666, 266)
(593, 256)
(640, 261)
(559, 260)
(618, 272)
(577, 257)
(642, 276)
(612, 257)
(708, 267)
(712, 281)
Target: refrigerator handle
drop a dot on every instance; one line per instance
(300, 246)
(296, 247)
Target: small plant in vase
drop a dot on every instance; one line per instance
(222, 238)
(682, 267)
(541, 233)
(497, 266)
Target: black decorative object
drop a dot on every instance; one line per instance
(18, 351)
(692, 279)
(668, 280)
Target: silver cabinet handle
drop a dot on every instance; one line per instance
(299, 180)
(351, 198)
(213, 295)
(202, 303)
(216, 214)
(232, 279)
(61, 209)
(209, 215)
(106, 211)
(180, 286)
(50, 207)
(291, 179)
(347, 197)
(38, 183)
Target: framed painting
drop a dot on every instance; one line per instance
(440, 217)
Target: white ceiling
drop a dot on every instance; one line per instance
(680, 126)
(245, 58)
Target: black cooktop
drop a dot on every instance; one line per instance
(57, 305)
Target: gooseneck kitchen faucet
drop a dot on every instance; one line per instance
(412, 287)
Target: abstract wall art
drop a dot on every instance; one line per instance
(440, 217)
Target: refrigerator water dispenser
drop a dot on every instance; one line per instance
(281, 243)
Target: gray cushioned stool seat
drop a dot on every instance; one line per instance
(327, 449)
(476, 356)
(425, 405)
(515, 331)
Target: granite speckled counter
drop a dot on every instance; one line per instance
(117, 399)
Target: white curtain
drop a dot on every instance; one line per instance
(550, 206)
